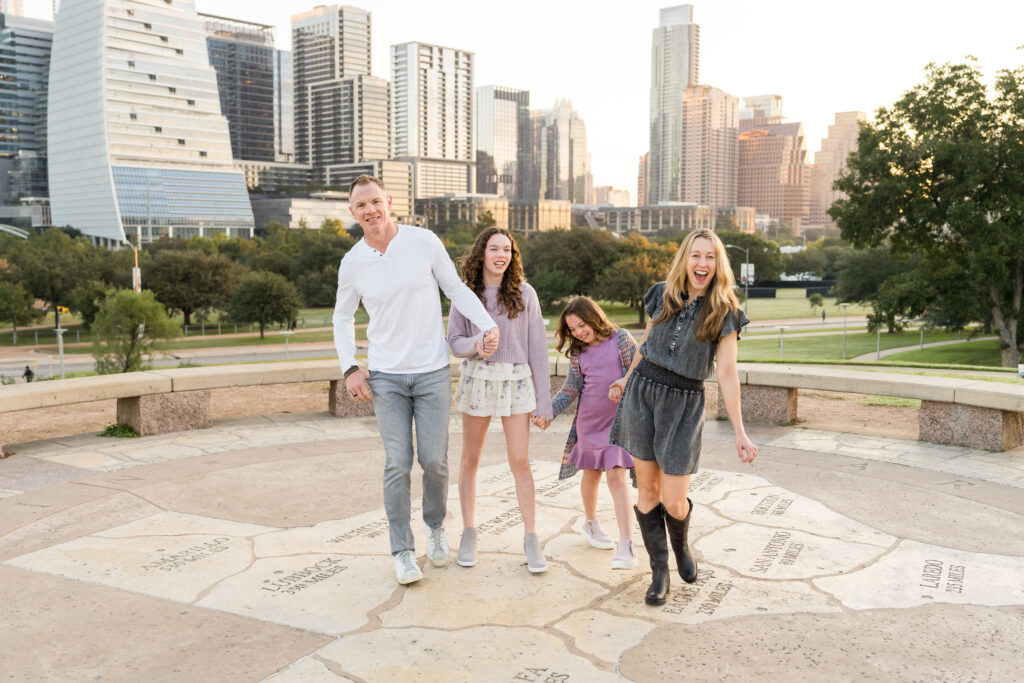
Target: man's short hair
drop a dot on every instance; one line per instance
(366, 180)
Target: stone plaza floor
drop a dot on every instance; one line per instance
(257, 550)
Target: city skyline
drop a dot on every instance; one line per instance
(822, 59)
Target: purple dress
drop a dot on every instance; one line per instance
(600, 366)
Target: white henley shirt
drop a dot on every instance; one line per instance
(399, 291)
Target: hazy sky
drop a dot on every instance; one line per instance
(821, 56)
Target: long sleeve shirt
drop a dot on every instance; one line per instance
(398, 288)
(522, 339)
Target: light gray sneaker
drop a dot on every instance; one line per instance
(624, 558)
(467, 548)
(595, 535)
(535, 561)
(406, 570)
(437, 546)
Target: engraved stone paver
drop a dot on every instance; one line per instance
(777, 507)
(920, 574)
(323, 593)
(485, 653)
(770, 553)
(719, 594)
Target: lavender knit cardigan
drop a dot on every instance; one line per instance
(572, 387)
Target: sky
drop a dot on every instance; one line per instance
(822, 57)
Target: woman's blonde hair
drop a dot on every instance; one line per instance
(719, 297)
(585, 309)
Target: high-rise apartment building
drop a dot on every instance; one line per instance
(772, 169)
(641, 180)
(24, 74)
(432, 117)
(242, 54)
(136, 140)
(503, 141)
(341, 112)
(561, 163)
(708, 146)
(284, 107)
(675, 66)
(829, 163)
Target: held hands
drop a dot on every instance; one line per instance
(615, 389)
(540, 421)
(489, 345)
(357, 388)
(745, 448)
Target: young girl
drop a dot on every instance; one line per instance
(599, 354)
(509, 380)
(694, 317)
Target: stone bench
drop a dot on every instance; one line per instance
(970, 413)
(958, 412)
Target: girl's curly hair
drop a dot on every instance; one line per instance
(510, 296)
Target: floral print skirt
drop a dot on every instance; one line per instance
(496, 389)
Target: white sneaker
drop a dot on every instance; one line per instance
(437, 546)
(596, 536)
(406, 570)
(624, 558)
(535, 561)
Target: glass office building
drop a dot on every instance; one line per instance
(242, 54)
(136, 139)
(503, 141)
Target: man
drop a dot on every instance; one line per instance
(28, 374)
(396, 270)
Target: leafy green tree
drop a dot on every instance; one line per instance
(190, 280)
(16, 307)
(939, 174)
(811, 261)
(551, 286)
(765, 255)
(126, 328)
(50, 264)
(264, 298)
(87, 298)
(581, 254)
(628, 279)
(816, 300)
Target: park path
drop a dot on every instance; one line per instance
(930, 345)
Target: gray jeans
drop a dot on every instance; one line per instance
(399, 401)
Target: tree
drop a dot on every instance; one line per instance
(870, 276)
(765, 255)
(16, 307)
(939, 173)
(816, 300)
(190, 280)
(581, 254)
(551, 286)
(628, 279)
(263, 297)
(50, 264)
(127, 326)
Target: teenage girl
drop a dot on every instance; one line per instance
(599, 354)
(509, 380)
(660, 420)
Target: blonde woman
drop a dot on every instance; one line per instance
(695, 317)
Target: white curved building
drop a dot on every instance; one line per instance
(137, 142)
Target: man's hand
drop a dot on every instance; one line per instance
(357, 387)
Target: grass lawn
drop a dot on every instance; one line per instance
(830, 347)
(984, 353)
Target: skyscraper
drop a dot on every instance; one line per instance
(772, 169)
(503, 141)
(829, 163)
(561, 163)
(708, 147)
(641, 180)
(137, 143)
(432, 122)
(24, 74)
(760, 107)
(12, 7)
(675, 65)
(284, 107)
(242, 54)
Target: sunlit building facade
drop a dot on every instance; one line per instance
(561, 162)
(829, 162)
(709, 139)
(432, 117)
(136, 139)
(772, 177)
(675, 66)
(503, 141)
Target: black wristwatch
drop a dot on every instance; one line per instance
(351, 370)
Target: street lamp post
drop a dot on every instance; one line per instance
(843, 306)
(746, 279)
(60, 348)
(782, 336)
(286, 334)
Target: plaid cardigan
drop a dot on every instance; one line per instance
(572, 387)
